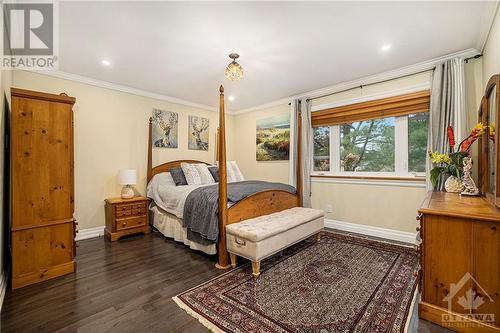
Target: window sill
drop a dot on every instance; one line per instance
(418, 179)
(394, 181)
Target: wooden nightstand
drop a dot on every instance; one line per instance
(126, 217)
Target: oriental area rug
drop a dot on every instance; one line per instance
(343, 283)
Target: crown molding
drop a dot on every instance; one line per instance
(392, 74)
(126, 89)
(486, 26)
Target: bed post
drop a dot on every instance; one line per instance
(150, 150)
(223, 258)
(298, 168)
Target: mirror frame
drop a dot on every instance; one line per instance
(484, 173)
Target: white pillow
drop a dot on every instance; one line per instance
(233, 172)
(197, 174)
(205, 175)
(165, 179)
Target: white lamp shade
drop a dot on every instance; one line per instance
(127, 177)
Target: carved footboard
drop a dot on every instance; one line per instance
(261, 203)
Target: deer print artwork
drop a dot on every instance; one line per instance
(198, 133)
(165, 129)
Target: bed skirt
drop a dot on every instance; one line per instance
(171, 226)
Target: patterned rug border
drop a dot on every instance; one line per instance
(216, 329)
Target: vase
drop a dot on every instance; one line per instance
(453, 185)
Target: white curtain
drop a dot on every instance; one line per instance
(447, 108)
(306, 147)
(294, 112)
(306, 152)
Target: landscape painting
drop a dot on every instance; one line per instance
(273, 138)
(165, 129)
(198, 133)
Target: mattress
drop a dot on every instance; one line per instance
(170, 226)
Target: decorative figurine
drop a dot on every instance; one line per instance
(467, 181)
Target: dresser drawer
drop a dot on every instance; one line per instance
(131, 222)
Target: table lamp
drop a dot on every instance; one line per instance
(127, 178)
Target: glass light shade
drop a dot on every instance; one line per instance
(127, 177)
(234, 71)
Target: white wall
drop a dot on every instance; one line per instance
(111, 134)
(491, 52)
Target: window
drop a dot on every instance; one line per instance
(394, 146)
(417, 141)
(321, 156)
(384, 137)
(368, 146)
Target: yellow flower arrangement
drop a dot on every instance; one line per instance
(479, 129)
(440, 158)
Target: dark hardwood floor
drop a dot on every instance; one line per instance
(124, 286)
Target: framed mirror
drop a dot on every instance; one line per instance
(489, 166)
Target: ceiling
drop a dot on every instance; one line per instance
(180, 49)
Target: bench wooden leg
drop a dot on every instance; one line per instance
(256, 268)
(318, 236)
(234, 259)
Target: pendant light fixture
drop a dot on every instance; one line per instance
(234, 71)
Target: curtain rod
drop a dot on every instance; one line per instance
(387, 80)
(369, 84)
(474, 57)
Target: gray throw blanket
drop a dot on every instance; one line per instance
(202, 207)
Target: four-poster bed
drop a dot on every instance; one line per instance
(254, 205)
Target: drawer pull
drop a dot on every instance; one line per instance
(419, 217)
(417, 228)
(124, 223)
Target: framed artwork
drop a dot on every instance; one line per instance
(165, 132)
(273, 138)
(199, 129)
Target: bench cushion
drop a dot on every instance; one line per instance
(263, 227)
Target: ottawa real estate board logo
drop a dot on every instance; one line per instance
(30, 35)
(471, 298)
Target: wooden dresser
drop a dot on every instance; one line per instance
(126, 217)
(42, 186)
(460, 253)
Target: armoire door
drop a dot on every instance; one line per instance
(42, 186)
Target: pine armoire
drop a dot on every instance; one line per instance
(42, 186)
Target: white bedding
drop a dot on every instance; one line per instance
(167, 196)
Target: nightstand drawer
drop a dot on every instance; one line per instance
(139, 209)
(123, 210)
(131, 222)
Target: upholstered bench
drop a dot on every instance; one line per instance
(258, 238)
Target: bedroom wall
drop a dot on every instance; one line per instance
(111, 134)
(491, 52)
(372, 204)
(382, 203)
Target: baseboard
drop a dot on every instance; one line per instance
(90, 233)
(3, 288)
(400, 236)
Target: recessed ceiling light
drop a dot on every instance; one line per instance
(385, 47)
(106, 62)
(231, 98)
